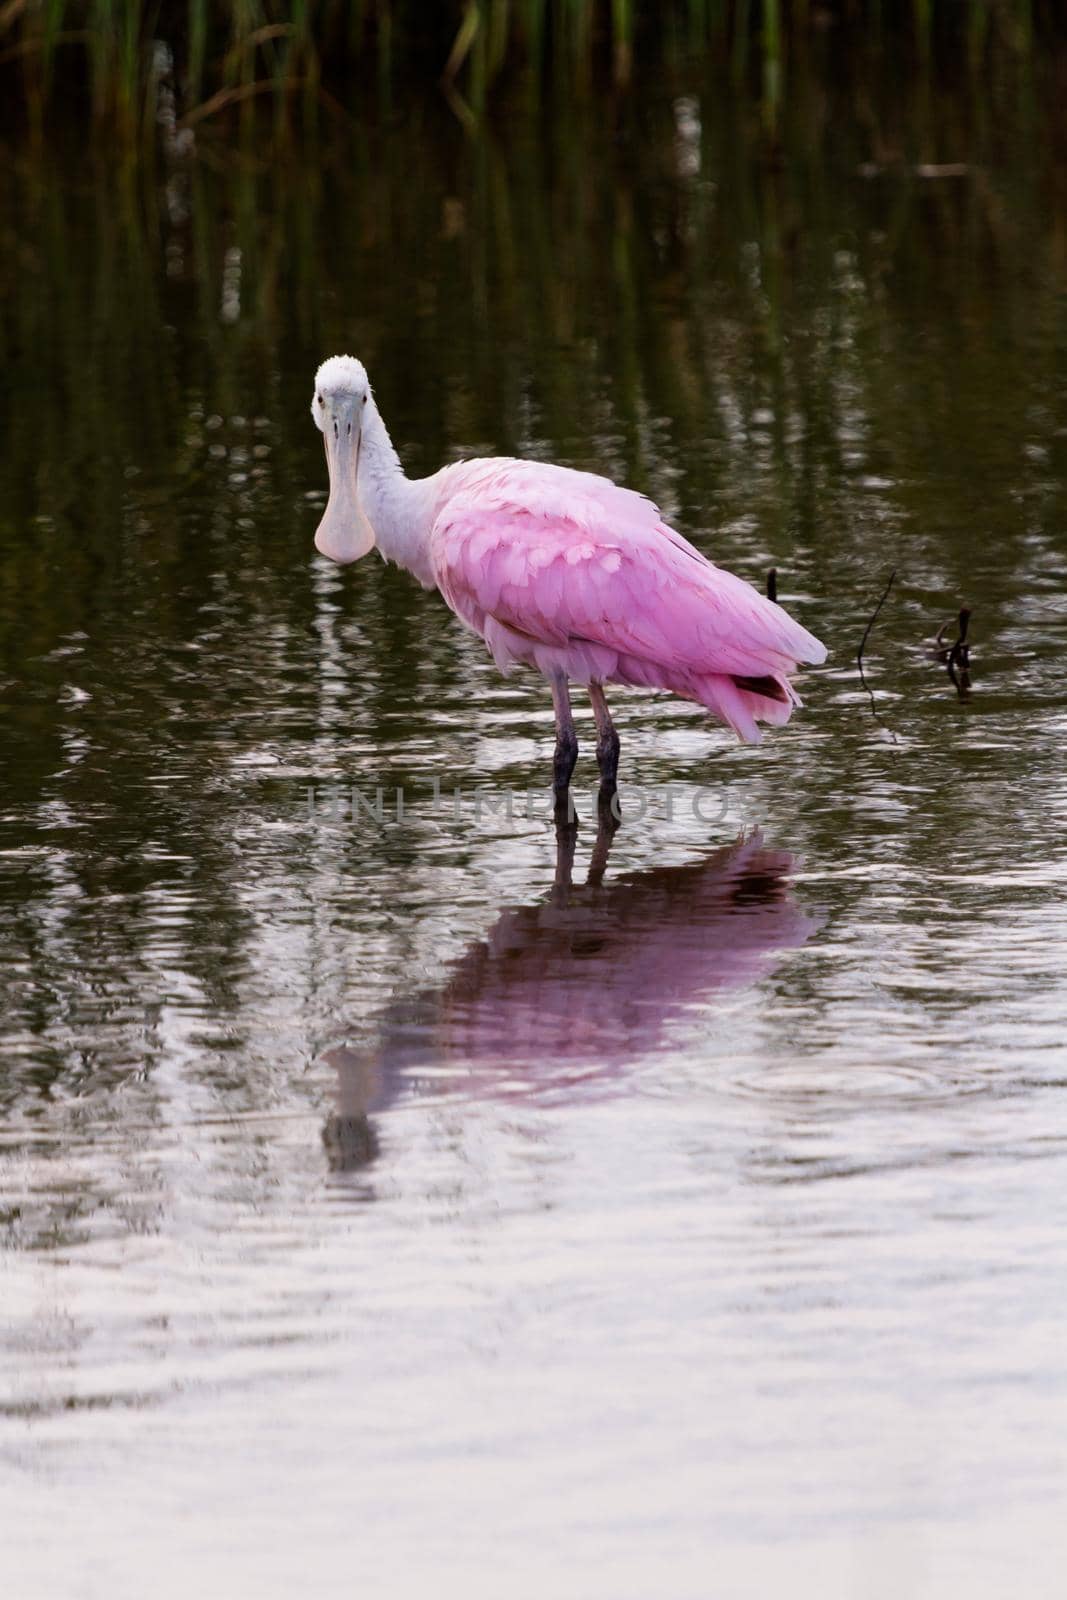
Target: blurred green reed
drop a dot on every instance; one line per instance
(660, 262)
(136, 68)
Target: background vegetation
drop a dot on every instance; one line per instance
(143, 70)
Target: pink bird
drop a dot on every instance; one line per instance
(559, 570)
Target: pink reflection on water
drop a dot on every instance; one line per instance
(562, 996)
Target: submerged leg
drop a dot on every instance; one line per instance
(566, 839)
(566, 739)
(607, 744)
(607, 826)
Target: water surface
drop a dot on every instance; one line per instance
(433, 1201)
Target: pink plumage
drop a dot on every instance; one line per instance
(566, 572)
(559, 570)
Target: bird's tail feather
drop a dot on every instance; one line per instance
(743, 703)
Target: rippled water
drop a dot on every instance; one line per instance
(404, 1204)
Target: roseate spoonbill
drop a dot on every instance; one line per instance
(559, 570)
(513, 1010)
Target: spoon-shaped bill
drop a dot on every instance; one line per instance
(344, 534)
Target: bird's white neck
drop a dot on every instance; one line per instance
(398, 508)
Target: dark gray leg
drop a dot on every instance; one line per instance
(607, 744)
(566, 740)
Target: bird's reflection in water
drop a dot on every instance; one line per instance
(565, 993)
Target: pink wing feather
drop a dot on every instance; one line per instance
(568, 572)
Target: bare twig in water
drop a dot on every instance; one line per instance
(772, 584)
(957, 657)
(965, 622)
(863, 646)
(874, 619)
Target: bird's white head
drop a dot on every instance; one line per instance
(338, 406)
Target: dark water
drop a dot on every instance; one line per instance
(383, 1201)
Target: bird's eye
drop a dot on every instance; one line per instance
(364, 399)
(320, 400)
